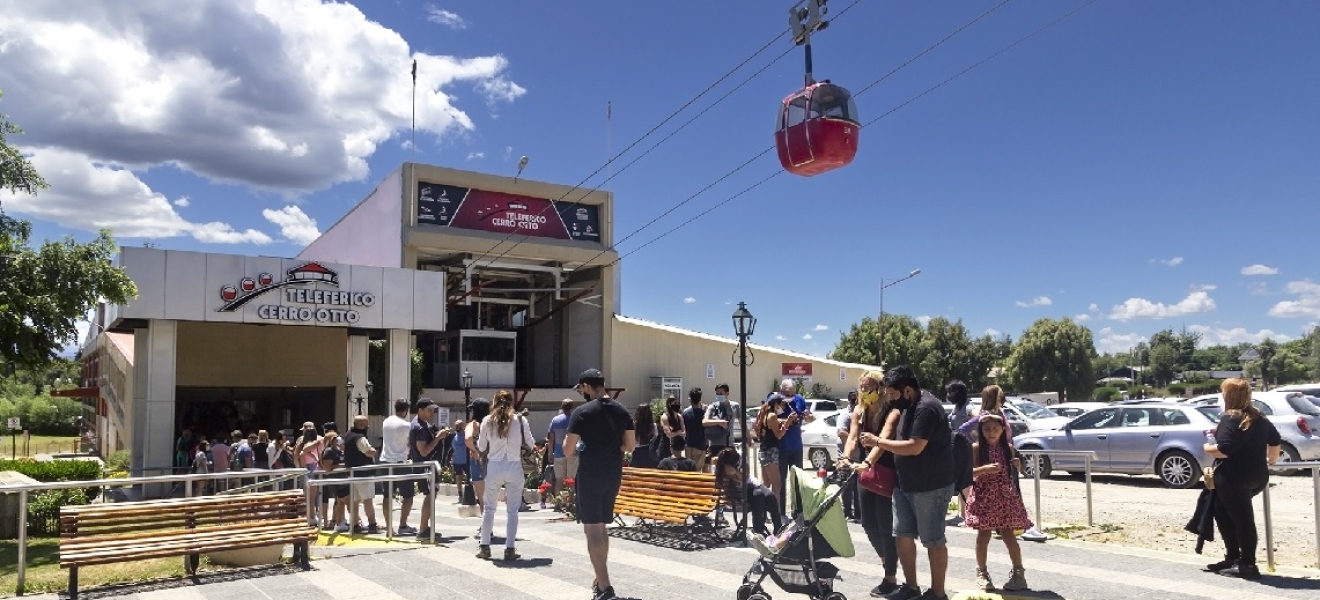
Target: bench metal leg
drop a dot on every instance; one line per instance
(190, 564)
(302, 552)
(73, 583)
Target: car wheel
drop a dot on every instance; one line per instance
(820, 458)
(1289, 454)
(1177, 469)
(1030, 463)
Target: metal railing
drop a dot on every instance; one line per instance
(1314, 466)
(1087, 457)
(430, 470)
(324, 478)
(24, 490)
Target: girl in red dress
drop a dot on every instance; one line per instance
(995, 503)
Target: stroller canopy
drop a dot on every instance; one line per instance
(811, 494)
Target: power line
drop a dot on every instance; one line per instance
(609, 162)
(887, 113)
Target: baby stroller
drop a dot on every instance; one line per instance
(817, 530)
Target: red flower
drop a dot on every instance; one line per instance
(545, 487)
(569, 482)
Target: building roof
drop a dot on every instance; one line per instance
(726, 340)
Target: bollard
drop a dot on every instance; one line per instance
(1269, 533)
(1035, 469)
(1090, 519)
(430, 481)
(1315, 503)
(22, 540)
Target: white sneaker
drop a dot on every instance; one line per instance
(341, 528)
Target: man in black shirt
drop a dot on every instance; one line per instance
(677, 461)
(693, 429)
(923, 456)
(599, 432)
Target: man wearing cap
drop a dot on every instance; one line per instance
(394, 450)
(565, 467)
(599, 433)
(423, 438)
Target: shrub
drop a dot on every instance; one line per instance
(1105, 394)
(118, 461)
(1177, 389)
(43, 516)
(58, 470)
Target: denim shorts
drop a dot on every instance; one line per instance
(769, 456)
(921, 514)
(476, 472)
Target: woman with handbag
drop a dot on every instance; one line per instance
(1245, 445)
(505, 437)
(874, 417)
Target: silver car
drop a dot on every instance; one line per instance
(1164, 439)
(1292, 413)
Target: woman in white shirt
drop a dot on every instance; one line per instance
(503, 436)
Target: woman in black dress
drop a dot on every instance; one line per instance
(1246, 443)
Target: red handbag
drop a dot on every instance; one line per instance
(878, 479)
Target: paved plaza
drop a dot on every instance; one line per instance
(555, 567)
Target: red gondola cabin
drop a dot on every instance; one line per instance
(818, 130)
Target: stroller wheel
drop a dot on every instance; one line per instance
(747, 590)
(759, 596)
(834, 596)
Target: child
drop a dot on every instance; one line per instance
(677, 462)
(995, 504)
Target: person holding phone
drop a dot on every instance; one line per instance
(793, 415)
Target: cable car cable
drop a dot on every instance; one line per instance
(740, 65)
(891, 73)
(868, 123)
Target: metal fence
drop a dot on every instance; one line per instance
(1086, 455)
(1314, 467)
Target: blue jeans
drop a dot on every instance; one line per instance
(921, 514)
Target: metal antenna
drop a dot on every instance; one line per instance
(414, 110)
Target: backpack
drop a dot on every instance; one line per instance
(286, 459)
(236, 458)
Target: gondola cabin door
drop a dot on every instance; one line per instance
(817, 130)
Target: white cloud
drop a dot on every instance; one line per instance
(992, 332)
(1168, 262)
(1259, 269)
(301, 103)
(780, 338)
(91, 195)
(440, 16)
(806, 336)
(1306, 305)
(223, 233)
(183, 202)
(1258, 288)
(1082, 318)
(1093, 307)
(689, 300)
(476, 155)
(924, 320)
(1037, 301)
(1141, 308)
(1214, 336)
(1109, 342)
(821, 328)
(294, 224)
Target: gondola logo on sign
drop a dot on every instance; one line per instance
(319, 305)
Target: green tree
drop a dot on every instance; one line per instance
(948, 355)
(1267, 349)
(45, 291)
(1054, 356)
(857, 345)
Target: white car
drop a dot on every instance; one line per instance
(1038, 417)
(1074, 409)
(820, 440)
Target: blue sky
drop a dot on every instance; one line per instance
(1139, 166)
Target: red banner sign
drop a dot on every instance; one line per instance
(467, 208)
(796, 370)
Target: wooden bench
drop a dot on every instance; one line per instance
(675, 497)
(100, 534)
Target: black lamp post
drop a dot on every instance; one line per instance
(469, 496)
(360, 398)
(744, 324)
(467, 395)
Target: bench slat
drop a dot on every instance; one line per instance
(98, 541)
(183, 548)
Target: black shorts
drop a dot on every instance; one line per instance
(337, 491)
(714, 450)
(595, 500)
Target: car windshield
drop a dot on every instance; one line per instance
(1033, 410)
(1210, 412)
(1300, 404)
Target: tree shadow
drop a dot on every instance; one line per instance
(202, 578)
(524, 563)
(671, 537)
(1288, 583)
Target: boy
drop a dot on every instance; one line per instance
(678, 462)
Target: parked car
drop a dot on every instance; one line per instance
(1072, 410)
(1018, 422)
(1038, 417)
(1166, 440)
(1293, 414)
(1309, 389)
(820, 441)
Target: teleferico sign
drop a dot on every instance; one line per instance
(302, 303)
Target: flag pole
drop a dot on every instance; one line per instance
(414, 109)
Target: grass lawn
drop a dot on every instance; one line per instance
(40, 444)
(45, 575)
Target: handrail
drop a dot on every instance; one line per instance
(1281, 468)
(328, 478)
(430, 467)
(1087, 456)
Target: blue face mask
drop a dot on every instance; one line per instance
(720, 398)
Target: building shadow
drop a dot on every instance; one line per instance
(1288, 583)
(204, 578)
(523, 563)
(672, 537)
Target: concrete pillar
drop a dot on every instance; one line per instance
(136, 407)
(357, 373)
(158, 427)
(398, 349)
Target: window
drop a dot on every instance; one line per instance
(1303, 406)
(1174, 416)
(832, 421)
(1139, 417)
(1262, 407)
(796, 112)
(833, 102)
(1210, 412)
(1100, 419)
(482, 349)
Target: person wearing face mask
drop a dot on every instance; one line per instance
(923, 456)
(874, 416)
(358, 452)
(719, 416)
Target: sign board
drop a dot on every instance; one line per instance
(671, 385)
(482, 210)
(710, 370)
(442, 415)
(15, 423)
(796, 370)
(843, 374)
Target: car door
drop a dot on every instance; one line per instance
(1089, 432)
(1133, 442)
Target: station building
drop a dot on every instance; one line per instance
(437, 274)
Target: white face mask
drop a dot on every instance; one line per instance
(720, 398)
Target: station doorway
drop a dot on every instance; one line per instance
(212, 411)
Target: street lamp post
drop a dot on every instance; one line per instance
(880, 325)
(468, 496)
(467, 395)
(360, 398)
(744, 324)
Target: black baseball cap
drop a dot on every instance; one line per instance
(329, 426)
(591, 376)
